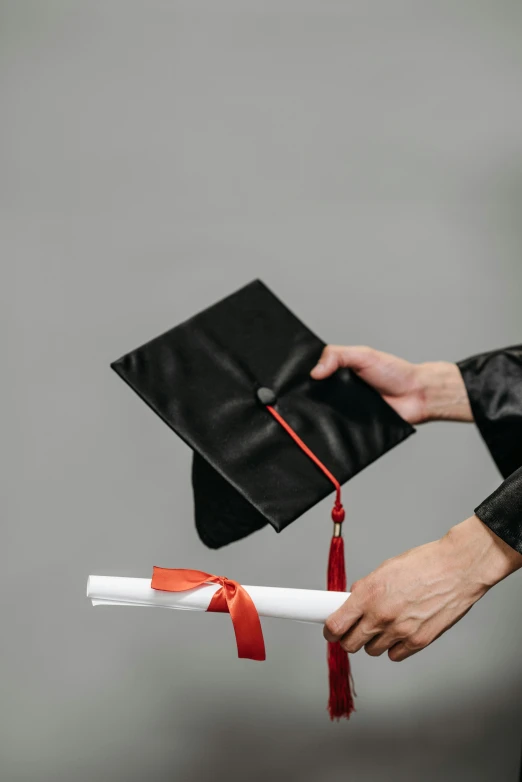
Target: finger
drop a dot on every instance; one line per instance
(342, 620)
(359, 636)
(356, 357)
(410, 646)
(402, 651)
(381, 643)
(328, 363)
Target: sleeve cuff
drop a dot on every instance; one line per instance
(494, 385)
(502, 511)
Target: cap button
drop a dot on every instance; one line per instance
(266, 396)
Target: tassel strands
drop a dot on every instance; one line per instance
(341, 700)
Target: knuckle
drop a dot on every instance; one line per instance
(416, 642)
(348, 645)
(333, 625)
(384, 616)
(401, 630)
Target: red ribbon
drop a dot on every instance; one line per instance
(231, 599)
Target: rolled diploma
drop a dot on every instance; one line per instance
(303, 605)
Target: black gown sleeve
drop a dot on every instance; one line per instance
(494, 384)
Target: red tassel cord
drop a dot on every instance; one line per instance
(341, 700)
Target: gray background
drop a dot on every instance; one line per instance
(365, 160)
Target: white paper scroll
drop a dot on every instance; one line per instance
(303, 605)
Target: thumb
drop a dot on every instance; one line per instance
(335, 356)
(342, 620)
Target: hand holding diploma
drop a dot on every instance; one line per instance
(411, 600)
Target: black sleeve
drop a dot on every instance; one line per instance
(494, 385)
(502, 511)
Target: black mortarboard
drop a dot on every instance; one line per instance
(269, 442)
(210, 379)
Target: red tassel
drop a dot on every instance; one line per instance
(341, 703)
(341, 697)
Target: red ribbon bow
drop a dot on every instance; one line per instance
(230, 599)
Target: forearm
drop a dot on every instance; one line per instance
(444, 393)
(480, 553)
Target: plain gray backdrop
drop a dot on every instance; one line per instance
(365, 160)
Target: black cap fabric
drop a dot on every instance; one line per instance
(210, 380)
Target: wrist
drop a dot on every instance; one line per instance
(484, 558)
(444, 393)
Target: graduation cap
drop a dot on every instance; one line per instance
(269, 442)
